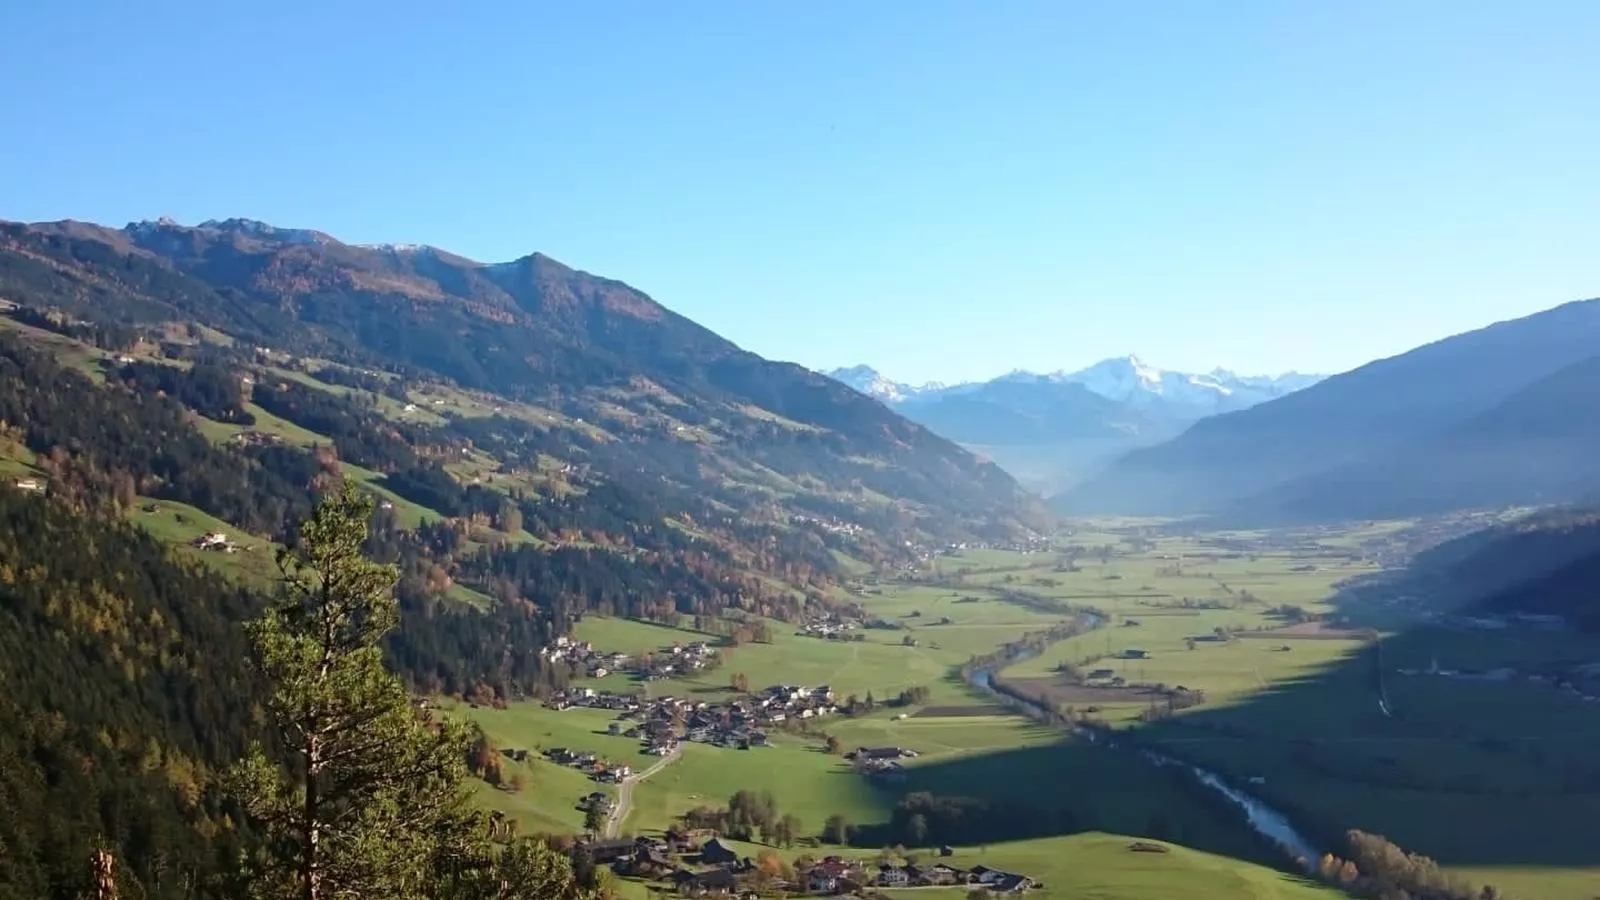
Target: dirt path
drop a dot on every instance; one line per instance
(619, 812)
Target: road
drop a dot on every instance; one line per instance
(619, 812)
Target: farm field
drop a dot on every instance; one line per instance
(967, 746)
(548, 800)
(1293, 706)
(1103, 867)
(1298, 707)
(880, 664)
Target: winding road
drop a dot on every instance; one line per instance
(619, 812)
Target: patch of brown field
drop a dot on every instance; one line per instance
(1305, 631)
(955, 712)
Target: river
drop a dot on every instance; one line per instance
(1266, 821)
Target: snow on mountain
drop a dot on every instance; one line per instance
(1052, 430)
(1130, 380)
(1126, 379)
(869, 381)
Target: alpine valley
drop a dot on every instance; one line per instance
(1053, 430)
(546, 444)
(622, 609)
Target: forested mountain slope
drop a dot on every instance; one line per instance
(693, 410)
(123, 688)
(1545, 563)
(546, 445)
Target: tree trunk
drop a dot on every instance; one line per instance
(310, 869)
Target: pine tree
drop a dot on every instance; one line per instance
(373, 800)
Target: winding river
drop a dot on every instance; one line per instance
(1266, 821)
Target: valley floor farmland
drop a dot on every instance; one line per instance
(1290, 708)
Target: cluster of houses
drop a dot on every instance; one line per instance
(714, 869)
(582, 655)
(678, 659)
(837, 875)
(831, 625)
(252, 438)
(832, 524)
(589, 764)
(662, 722)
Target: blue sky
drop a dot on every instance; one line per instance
(943, 189)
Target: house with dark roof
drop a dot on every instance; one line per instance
(715, 853)
(873, 753)
(699, 884)
(608, 851)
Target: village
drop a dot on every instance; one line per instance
(712, 868)
(662, 722)
(671, 662)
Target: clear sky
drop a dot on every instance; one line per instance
(945, 190)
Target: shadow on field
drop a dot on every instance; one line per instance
(1472, 767)
(1064, 787)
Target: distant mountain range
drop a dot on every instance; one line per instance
(1494, 417)
(1052, 429)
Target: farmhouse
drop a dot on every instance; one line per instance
(830, 876)
(215, 540)
(716, 853)
(717, 881)
(608, 851)
(873, 753)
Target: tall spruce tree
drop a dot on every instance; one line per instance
(372, 802)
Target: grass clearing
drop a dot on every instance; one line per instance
(177, 525)
(1102, 867)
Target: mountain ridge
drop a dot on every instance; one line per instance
(536, 331)
(1122, 378)
(1325, 448)
(1054, 429)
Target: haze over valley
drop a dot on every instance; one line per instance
(1054, 430)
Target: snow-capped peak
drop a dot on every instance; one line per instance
(1125, 379)
(869, 381)
(397, 249)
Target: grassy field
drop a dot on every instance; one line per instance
(880, 664)
(1513, 759)
(177, 525)
(967, 746)
(548, 800)
(1098, 866)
